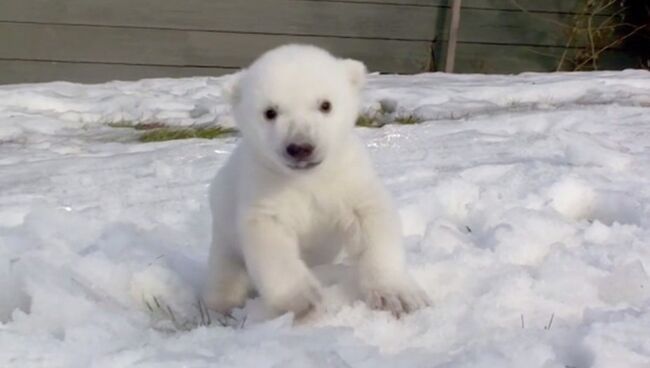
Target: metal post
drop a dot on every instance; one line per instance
(453, 36)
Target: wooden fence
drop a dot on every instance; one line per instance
(100, 40)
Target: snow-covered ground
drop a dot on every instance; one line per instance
(525, 202)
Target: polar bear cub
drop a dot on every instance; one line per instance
(299, 188)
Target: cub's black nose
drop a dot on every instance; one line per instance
(300, 152)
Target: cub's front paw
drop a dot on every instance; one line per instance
(398, 298)
(299, 296)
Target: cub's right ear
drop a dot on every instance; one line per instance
(356, 72)
(231, 88)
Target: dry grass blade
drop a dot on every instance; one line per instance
(168, 320)
(550, 322)
(610, 45)
(593, 31)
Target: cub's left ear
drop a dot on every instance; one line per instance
(231, 88)
(356, 72)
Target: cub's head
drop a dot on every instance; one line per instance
(296, 104)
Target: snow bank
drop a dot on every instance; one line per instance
(525, 203)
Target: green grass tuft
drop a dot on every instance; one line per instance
(171, 133)
(138, 126)
(378, 119)
(408, 119)
(149, 126)
(159, 132)
(368, 121)
(120, 124)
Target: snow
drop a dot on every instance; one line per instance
(524, 200)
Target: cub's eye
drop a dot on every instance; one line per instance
(325, 107)
(270, 113)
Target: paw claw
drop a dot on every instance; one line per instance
(398, 301)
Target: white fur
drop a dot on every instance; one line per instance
(272, 222)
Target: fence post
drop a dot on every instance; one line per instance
(453, 36)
